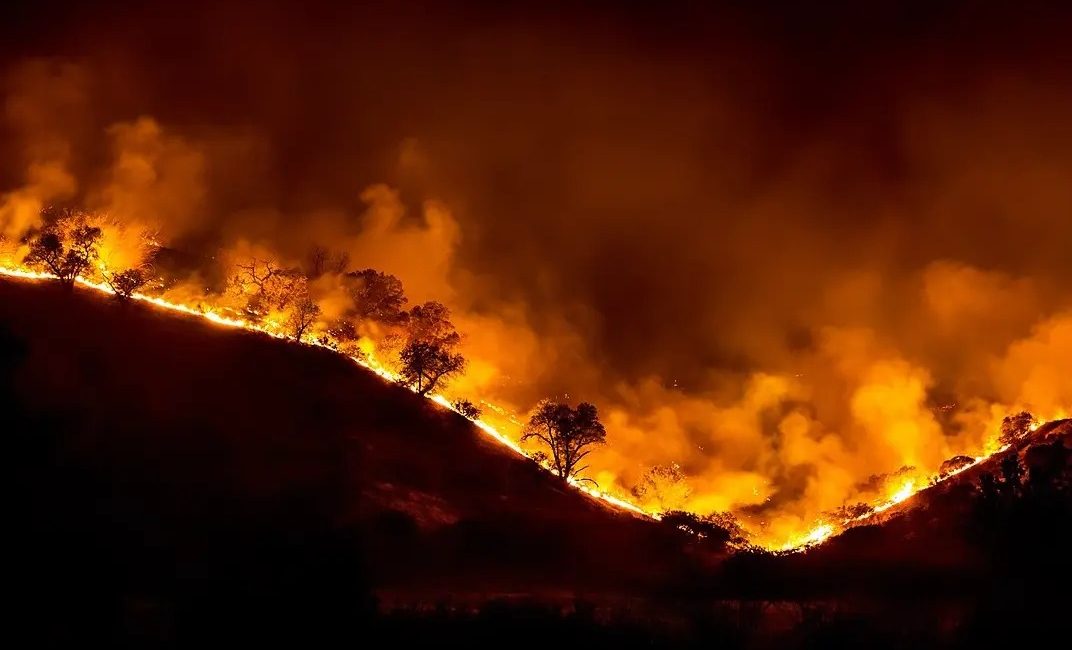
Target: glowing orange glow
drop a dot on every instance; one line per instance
(818, 533)
(815, 536)
(369, 363)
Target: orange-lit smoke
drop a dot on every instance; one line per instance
(801, 311)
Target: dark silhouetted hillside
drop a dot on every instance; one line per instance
(176, 483)
(168, 472)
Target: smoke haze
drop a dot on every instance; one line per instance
(786, 249)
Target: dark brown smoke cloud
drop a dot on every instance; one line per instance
(771, 242)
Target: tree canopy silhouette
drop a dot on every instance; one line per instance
(66, 249)
(1015, 427)
(266, 286)
(377, 296)
(467, 408)
(125, 283)
(303, 312)
(430, 323)
(568, 433)
(425, 364)
(320, 261)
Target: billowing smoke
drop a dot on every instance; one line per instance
(41, 103)
(793, 266)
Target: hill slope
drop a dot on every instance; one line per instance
(174, 480)
(165, 464)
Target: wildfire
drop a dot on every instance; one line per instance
(822, 531)
(814, 537)
(900, 495)
(369, 363)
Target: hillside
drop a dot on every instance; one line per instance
(992, 539)
(168, 465)
(176, 480)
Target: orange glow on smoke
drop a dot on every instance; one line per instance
(369, 363)
(817, 533)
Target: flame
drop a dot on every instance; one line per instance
(814, 537)
(369, 363)
(822, 531)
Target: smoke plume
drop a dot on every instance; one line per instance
(794, 265)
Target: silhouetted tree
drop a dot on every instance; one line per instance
(1015, 427)
(665, 485)
(303, 313)
(567, 433)
(267, 286)
(320, 261)
(125, 283)
(467, 408)
(66, 252)
(424, 365)
(377, 296)
(430, 323)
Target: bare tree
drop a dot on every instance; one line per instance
(267, 286)
(320, 261)
(254, 273)
(424, 365)
(567, 433)
(303, 313)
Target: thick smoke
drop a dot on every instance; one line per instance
(41, 103)
(788, 264)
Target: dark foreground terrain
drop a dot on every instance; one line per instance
(178, 484)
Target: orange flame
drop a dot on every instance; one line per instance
(822, 531)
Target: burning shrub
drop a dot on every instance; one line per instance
(321, 261)
(716, 528)
(665, 486)
(954, 464)
(125, 283)
(851, 512)
(467, 409)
